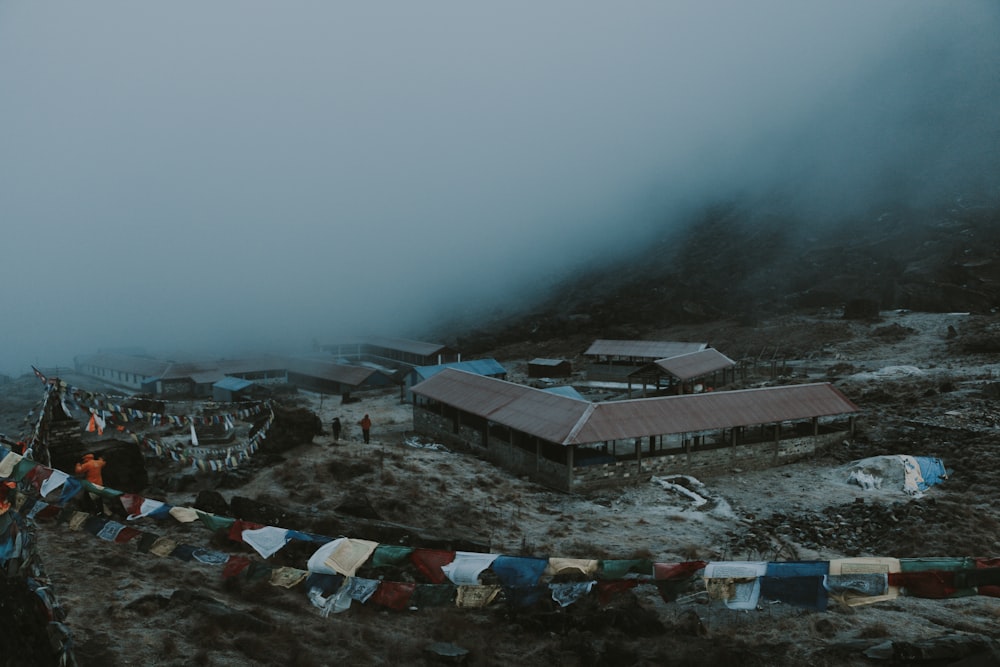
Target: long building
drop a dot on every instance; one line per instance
(396, 352)
(577, 445)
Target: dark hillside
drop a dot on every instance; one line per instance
(733, 264)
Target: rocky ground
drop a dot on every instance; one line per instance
(927, 385)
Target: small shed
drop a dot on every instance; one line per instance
(549, 368)
(231, 390)
(615, 360)
(683, 370)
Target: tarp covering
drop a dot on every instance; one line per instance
(912, 474)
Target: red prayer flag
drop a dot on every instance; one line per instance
(393, 594)
(430, 561)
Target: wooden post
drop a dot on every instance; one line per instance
(777, 438)
(638, 455)
(569, 467)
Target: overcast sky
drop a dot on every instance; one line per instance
(242, 174)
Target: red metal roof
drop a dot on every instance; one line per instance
(692, 413)
(695, 364)
(647, 349)
(569, 421)
(548, 416)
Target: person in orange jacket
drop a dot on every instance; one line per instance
(91, 467)
(366, 427)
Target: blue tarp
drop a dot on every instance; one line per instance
(932, 470)
(567, 391)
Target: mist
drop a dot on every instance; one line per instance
(249, 176)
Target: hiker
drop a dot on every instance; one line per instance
(90, 468)
(366, 427)
(335, 428)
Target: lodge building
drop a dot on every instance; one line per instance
(575, 445)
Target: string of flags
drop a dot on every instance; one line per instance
(105, 409)
(111, 407)
(19, 557)
(343, 570)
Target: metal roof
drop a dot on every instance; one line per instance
(695, 364)
(398, 344)
(487, 366)
(548, 416)
(325, 370)
(649, 349)
(233, 384)
(693, 413)
(143, 366)
(198, 371)
(569, 421)
(252, 364)
(547, 362)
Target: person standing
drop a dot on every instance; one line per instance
(366, 427)
(90, 469)
(335, 428)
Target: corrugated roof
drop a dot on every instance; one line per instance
(478, 366)
(547, 362)
(233, 384)
(399, 344)
(692, 413)
(350, 375)
(695, 364)
(548, 416)
(648, 349)
(252, 364)
(200, 372)
(568, 421)
(125, 363)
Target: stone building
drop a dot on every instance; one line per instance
(576, 445)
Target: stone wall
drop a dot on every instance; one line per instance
(504, 454)
(703, 462)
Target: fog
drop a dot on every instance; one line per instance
(233, 176)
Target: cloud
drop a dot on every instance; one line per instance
(259, 173)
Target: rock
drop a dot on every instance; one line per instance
(258, 512)
(211, 501)
(360, 506)
(861, 309)
(690, 624)
(447, 653)
(225, 616)
(180, 482)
